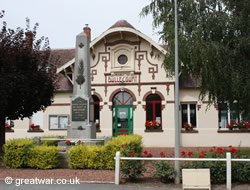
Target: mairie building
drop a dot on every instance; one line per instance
(130, 90)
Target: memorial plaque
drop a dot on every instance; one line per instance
(79, 109)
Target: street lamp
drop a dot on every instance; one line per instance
(177, 130)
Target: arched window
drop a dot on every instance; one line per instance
(122, 99)
(96, 111)
(153, 108)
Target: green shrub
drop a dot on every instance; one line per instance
(43, 157)
(165, 171)
(240, 170)
(130, 143)
(86, 157)
(102, 157)
(16, 152)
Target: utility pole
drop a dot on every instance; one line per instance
(177, 130)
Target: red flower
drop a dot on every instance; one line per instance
(201, 156)
(203, 152)
(162, 154)
(145, 152)
(122, 145)
(183, 153)
(238, 155)
(230, 146)
(233, 150)
(190, 153)
(211, 150)
(132, 154)
(149, 155)
(68, 142)
(32, 125)
(132, 171)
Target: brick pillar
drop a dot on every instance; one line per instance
(87, 31)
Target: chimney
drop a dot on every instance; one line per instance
(29, 40)
(87, 31)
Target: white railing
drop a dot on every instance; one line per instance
(228, 161)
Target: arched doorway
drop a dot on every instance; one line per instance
(122, 114)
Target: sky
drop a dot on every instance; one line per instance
(62, 20)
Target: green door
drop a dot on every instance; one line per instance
(122, 120)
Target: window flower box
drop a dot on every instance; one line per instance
(9, 128)
(239, 125)
(35, 128)
(153, 126)
(188, 127)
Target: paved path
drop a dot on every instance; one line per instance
(4, 186)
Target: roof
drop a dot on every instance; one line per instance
(59, 57)
(122, 23)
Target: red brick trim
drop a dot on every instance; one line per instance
(198, 107)
(170, 102)
(119, 90)
(156, 92)
(98, 95)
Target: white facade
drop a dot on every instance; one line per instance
(125, 61)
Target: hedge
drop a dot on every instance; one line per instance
(22, 153)
(16, 152)
(43, 157)
(102, 157)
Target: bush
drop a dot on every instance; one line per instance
(165, 171)
(240, 170)
(130, 143)
(102, 157)
(16, 152)
(87, 157)
(43, 157)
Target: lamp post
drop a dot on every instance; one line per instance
(177, 130)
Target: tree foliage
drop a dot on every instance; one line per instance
(26, 78)
(214, 45)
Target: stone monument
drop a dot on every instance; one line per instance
(82, 107)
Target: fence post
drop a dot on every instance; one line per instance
(229, 171)
(117, 168)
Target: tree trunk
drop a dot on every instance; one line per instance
(2, 133)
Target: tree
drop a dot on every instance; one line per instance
(26, 80)
(214, 45)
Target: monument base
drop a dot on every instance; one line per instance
(81, 130)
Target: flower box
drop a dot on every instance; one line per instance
(8, 128)
(188, 127)
(153, 130)
(35, 128)
(153, 126)
(239, 125)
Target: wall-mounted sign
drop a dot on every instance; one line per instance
(122, 79)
